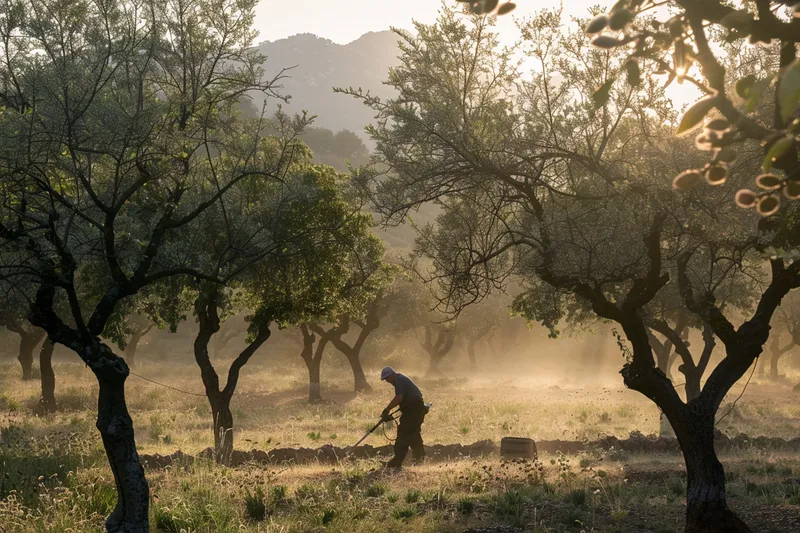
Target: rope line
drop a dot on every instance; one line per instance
(162, 362)
(167, 386)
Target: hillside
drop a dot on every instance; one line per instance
(319, 65)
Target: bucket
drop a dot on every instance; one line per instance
(517, 448)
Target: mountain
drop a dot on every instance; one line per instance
(319, 65)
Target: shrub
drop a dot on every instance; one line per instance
(412, 496)
(375, 491)
(578, 497)
(256, 503)
(404, 513)
(465, 505)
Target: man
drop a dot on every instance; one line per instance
(412, 413)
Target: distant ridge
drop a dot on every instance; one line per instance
(320, 64)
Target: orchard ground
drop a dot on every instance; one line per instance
(55, 476)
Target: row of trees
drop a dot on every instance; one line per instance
(134, 192)
(546, 181)
(134, 186)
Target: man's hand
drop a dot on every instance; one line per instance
(386, 416)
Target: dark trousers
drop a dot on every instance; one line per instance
(409, 433)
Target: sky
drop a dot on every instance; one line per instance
(343, 21)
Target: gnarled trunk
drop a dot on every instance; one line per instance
(223, 427)
(359, 377)
(130, 349)
(473, 365)
(433, 365)
(706, 504)
(313, 365)
(47, 403)
(116, 429)
(27, 344)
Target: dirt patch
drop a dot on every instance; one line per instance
(439, 452)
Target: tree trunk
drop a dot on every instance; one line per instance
(360, 378)
(130, 349)
(223, 427)
(47, 403)
(706, 505)
(433, 366)
(773, 366)
(473, 366)
(116, 429)
(27, 344)
(693, 376)
(314, 394)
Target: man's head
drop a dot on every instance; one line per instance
(388, 374)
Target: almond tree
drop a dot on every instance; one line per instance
(13, 319)
(313, 236)
(538, 187)
(787, 320)
(118, 132)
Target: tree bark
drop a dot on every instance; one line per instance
(223, 427)
(361, 384)
(706, 504)
(314, 394)
(777, 354)
(116, 429)
(130, 349)
(27, 344)
(312, 357)
(47, 403)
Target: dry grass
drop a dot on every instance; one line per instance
(59, 480)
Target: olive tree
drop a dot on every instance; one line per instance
(13, 318)
(313, 235)
(702, 33)
(117, 133)
(541, 181)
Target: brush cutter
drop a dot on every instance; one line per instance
(376, 426)
(391, 417)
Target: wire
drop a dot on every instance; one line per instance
(167, 386)
(163, 362)
(740, 395)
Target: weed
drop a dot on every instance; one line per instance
(577, 497)
(327, 516)
(314, 435)
(279, 493)
(465, 505)
(376, 491)
(412, 496)
(404, 513)
(256, 503)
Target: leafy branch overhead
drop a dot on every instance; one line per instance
(690, 42)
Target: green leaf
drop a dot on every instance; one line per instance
(686, 180)
(620, 18)
(695, 114)
(776, 150)
(506, 8)
(789, 90)
(597, 24)
(634, 73)
(755, 91)
(736, 19)
(601, 95)
(605, 41)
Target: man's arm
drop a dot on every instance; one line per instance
(394, 403)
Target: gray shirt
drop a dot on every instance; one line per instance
(403, 385)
